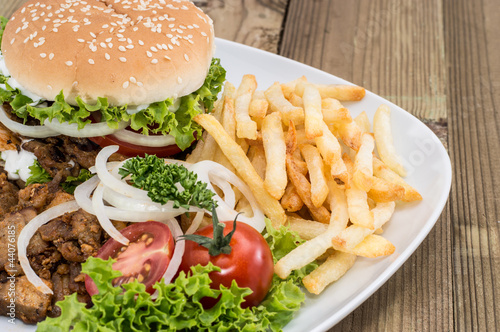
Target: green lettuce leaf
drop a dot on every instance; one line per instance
(177, 307)
(3, 23)
(38, 174)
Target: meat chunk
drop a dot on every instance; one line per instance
(76, 235)
(8, 194)
(81, 150)
(31, 305)
(40, 196)
(10, 228)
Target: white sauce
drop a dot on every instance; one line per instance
(17, 163)
(15, 84)
(175, 106)
(132, 109)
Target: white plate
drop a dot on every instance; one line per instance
(429, 170)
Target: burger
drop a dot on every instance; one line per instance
(127, 72)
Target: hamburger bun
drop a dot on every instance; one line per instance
(131, 52)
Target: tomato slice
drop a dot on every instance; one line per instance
(132, 150)
(145, 259)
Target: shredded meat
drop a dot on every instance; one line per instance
(8, 194)
(65, 155)
(31, 305)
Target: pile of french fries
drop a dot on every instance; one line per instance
(312, 167)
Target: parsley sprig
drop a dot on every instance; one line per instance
(167, 182)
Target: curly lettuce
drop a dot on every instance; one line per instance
(156, 118)
(178, 306)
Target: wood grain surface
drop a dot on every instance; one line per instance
(439, 60)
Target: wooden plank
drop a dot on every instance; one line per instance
(395, 49)
(8, 7)
(252, 22)
(472, 49)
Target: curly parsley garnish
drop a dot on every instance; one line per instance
(167, 182)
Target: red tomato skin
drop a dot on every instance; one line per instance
(132, 150)
(158, 257)
(250, 262)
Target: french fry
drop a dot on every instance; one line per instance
(339, 217)
(363, 122)
(278, 103)
(296, 100)
(313, 118)
(336, 91)
(330, 149)
(195, 155)
(303, 187)
(245, 126)
(363, 163)
(258, 159)
(258, 105)
(273, 140)
(359, 211)
(354, 234)
(385, 191)
(229, 123)
(290, 200)
(319, 244)
(384, 172)
(331, 270)
(289, 87)
(319, 188)
(302, 255)
(334, 112)
(357, 200)
(307, 229)
(350, 133)
(373, 246)
(271, 207)
(385, 144)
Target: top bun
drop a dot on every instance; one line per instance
(129, 51)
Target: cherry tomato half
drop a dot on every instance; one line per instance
(145, 259)
(132, 150)
(250, 262)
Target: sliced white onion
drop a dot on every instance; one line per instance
(82, 194)
(206, 170)
(144, 140)
(227, 190)
(27, 233)
(195, 224)
(180, 245)
(132, 204)
(110, 181)
(90, 130)
(100, 213)
(30, 131)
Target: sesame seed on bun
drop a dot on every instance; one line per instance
(132, 52)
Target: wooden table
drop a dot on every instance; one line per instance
(439, 60)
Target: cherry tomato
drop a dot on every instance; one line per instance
(145, 259)
(132, 150)
(250, 262)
